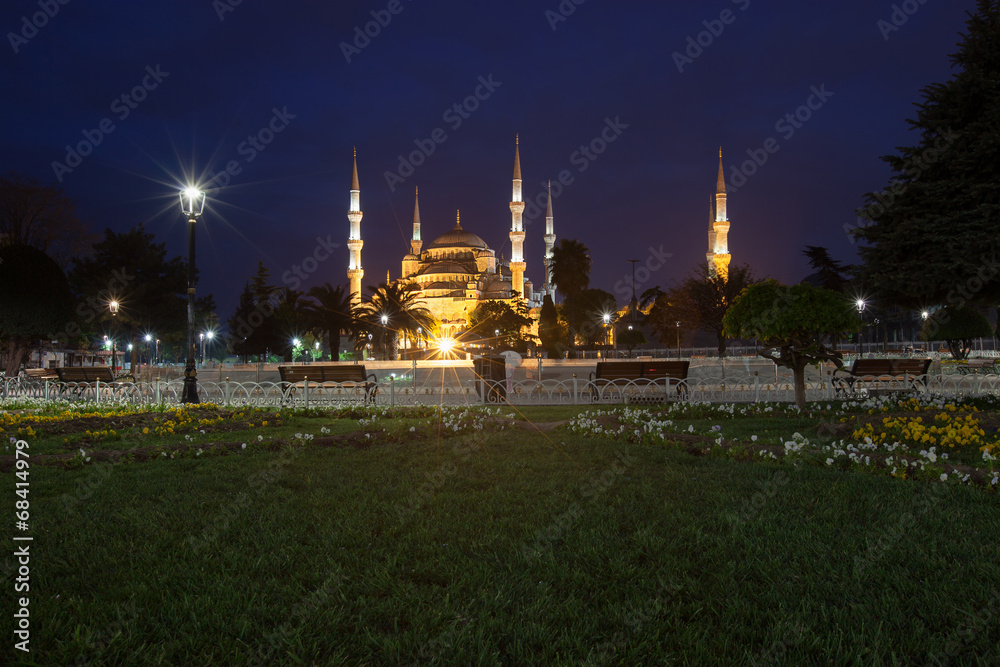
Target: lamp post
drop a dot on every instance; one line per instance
(607, 340)
(315, 351)
(113, 307)
(678, 339)
(201, 339)
(860, 303)
(192, 205)
(385, 320)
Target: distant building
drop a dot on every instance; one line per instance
(458, 270)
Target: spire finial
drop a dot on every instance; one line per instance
(354, 176)
(548, 202)
(720, 185)
(517, 158)
(458, 219)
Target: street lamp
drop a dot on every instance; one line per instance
(678, 339)
(385, 320)
(113, 307)
(201, 338)
(192, 205)
(860, 303)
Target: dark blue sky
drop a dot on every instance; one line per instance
(212, 74)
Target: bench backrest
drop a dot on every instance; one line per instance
(657, 370)
(973, 363)
(323, 373)
(914, 367)
(872, 367)
(40, 373)
(85, 374)
(619, 370)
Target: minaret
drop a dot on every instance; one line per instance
(550, 240)
(416, 244)
(710, 255)
(720, 261)
(354, 243)
(517, 228)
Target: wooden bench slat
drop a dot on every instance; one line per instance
(348, 376)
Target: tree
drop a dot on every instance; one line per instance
(291, 320)
(830, 274)
(492, 316)
(43, 217)
(958, 327)
(571, 266)
(551, 332)
(700, 302)
(630, 338)
(585, 311)
(330, 314)
(132, 269)
(35, 300)
(795, 325)
(403, 311)
(931, 233)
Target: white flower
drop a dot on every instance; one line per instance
(829, 462)
(243, 446)
(412, 429)
(753, 438)
(944, 477)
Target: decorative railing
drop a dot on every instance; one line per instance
(576, 391)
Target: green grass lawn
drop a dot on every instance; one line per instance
(501, 547)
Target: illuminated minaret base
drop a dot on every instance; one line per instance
(550, 241)
(718, 264)
(517, 229)
(354, 243)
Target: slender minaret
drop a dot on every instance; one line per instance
(720, 249)
(354, 243)
(415, 243)
(710, 255)
(517, 228)
(550, 240)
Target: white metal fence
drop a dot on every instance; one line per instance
(402, 391)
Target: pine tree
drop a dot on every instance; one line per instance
(932, 232)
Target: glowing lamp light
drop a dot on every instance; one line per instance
(295, 342)
(149, 338)
(192, 202)
(210, 335)
(113, 307)
(446, 344)
(925, 314)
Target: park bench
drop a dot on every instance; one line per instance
(81, 377)
(892, 373)
(327, 376)
(41, 374)
(624, 373)
(973, 366)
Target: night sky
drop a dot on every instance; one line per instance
(211, 75)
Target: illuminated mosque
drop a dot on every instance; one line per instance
(457, 270)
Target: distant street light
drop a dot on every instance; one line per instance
(192, 205)
(860, 303)
(113, 307)
(678, 339)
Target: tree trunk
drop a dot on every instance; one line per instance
(799, 375)
(16, 349)
(722, 343)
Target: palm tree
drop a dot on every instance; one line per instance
(571, 276)
(291, 316)
(331, 315)
(391, 310)
(570, 266)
